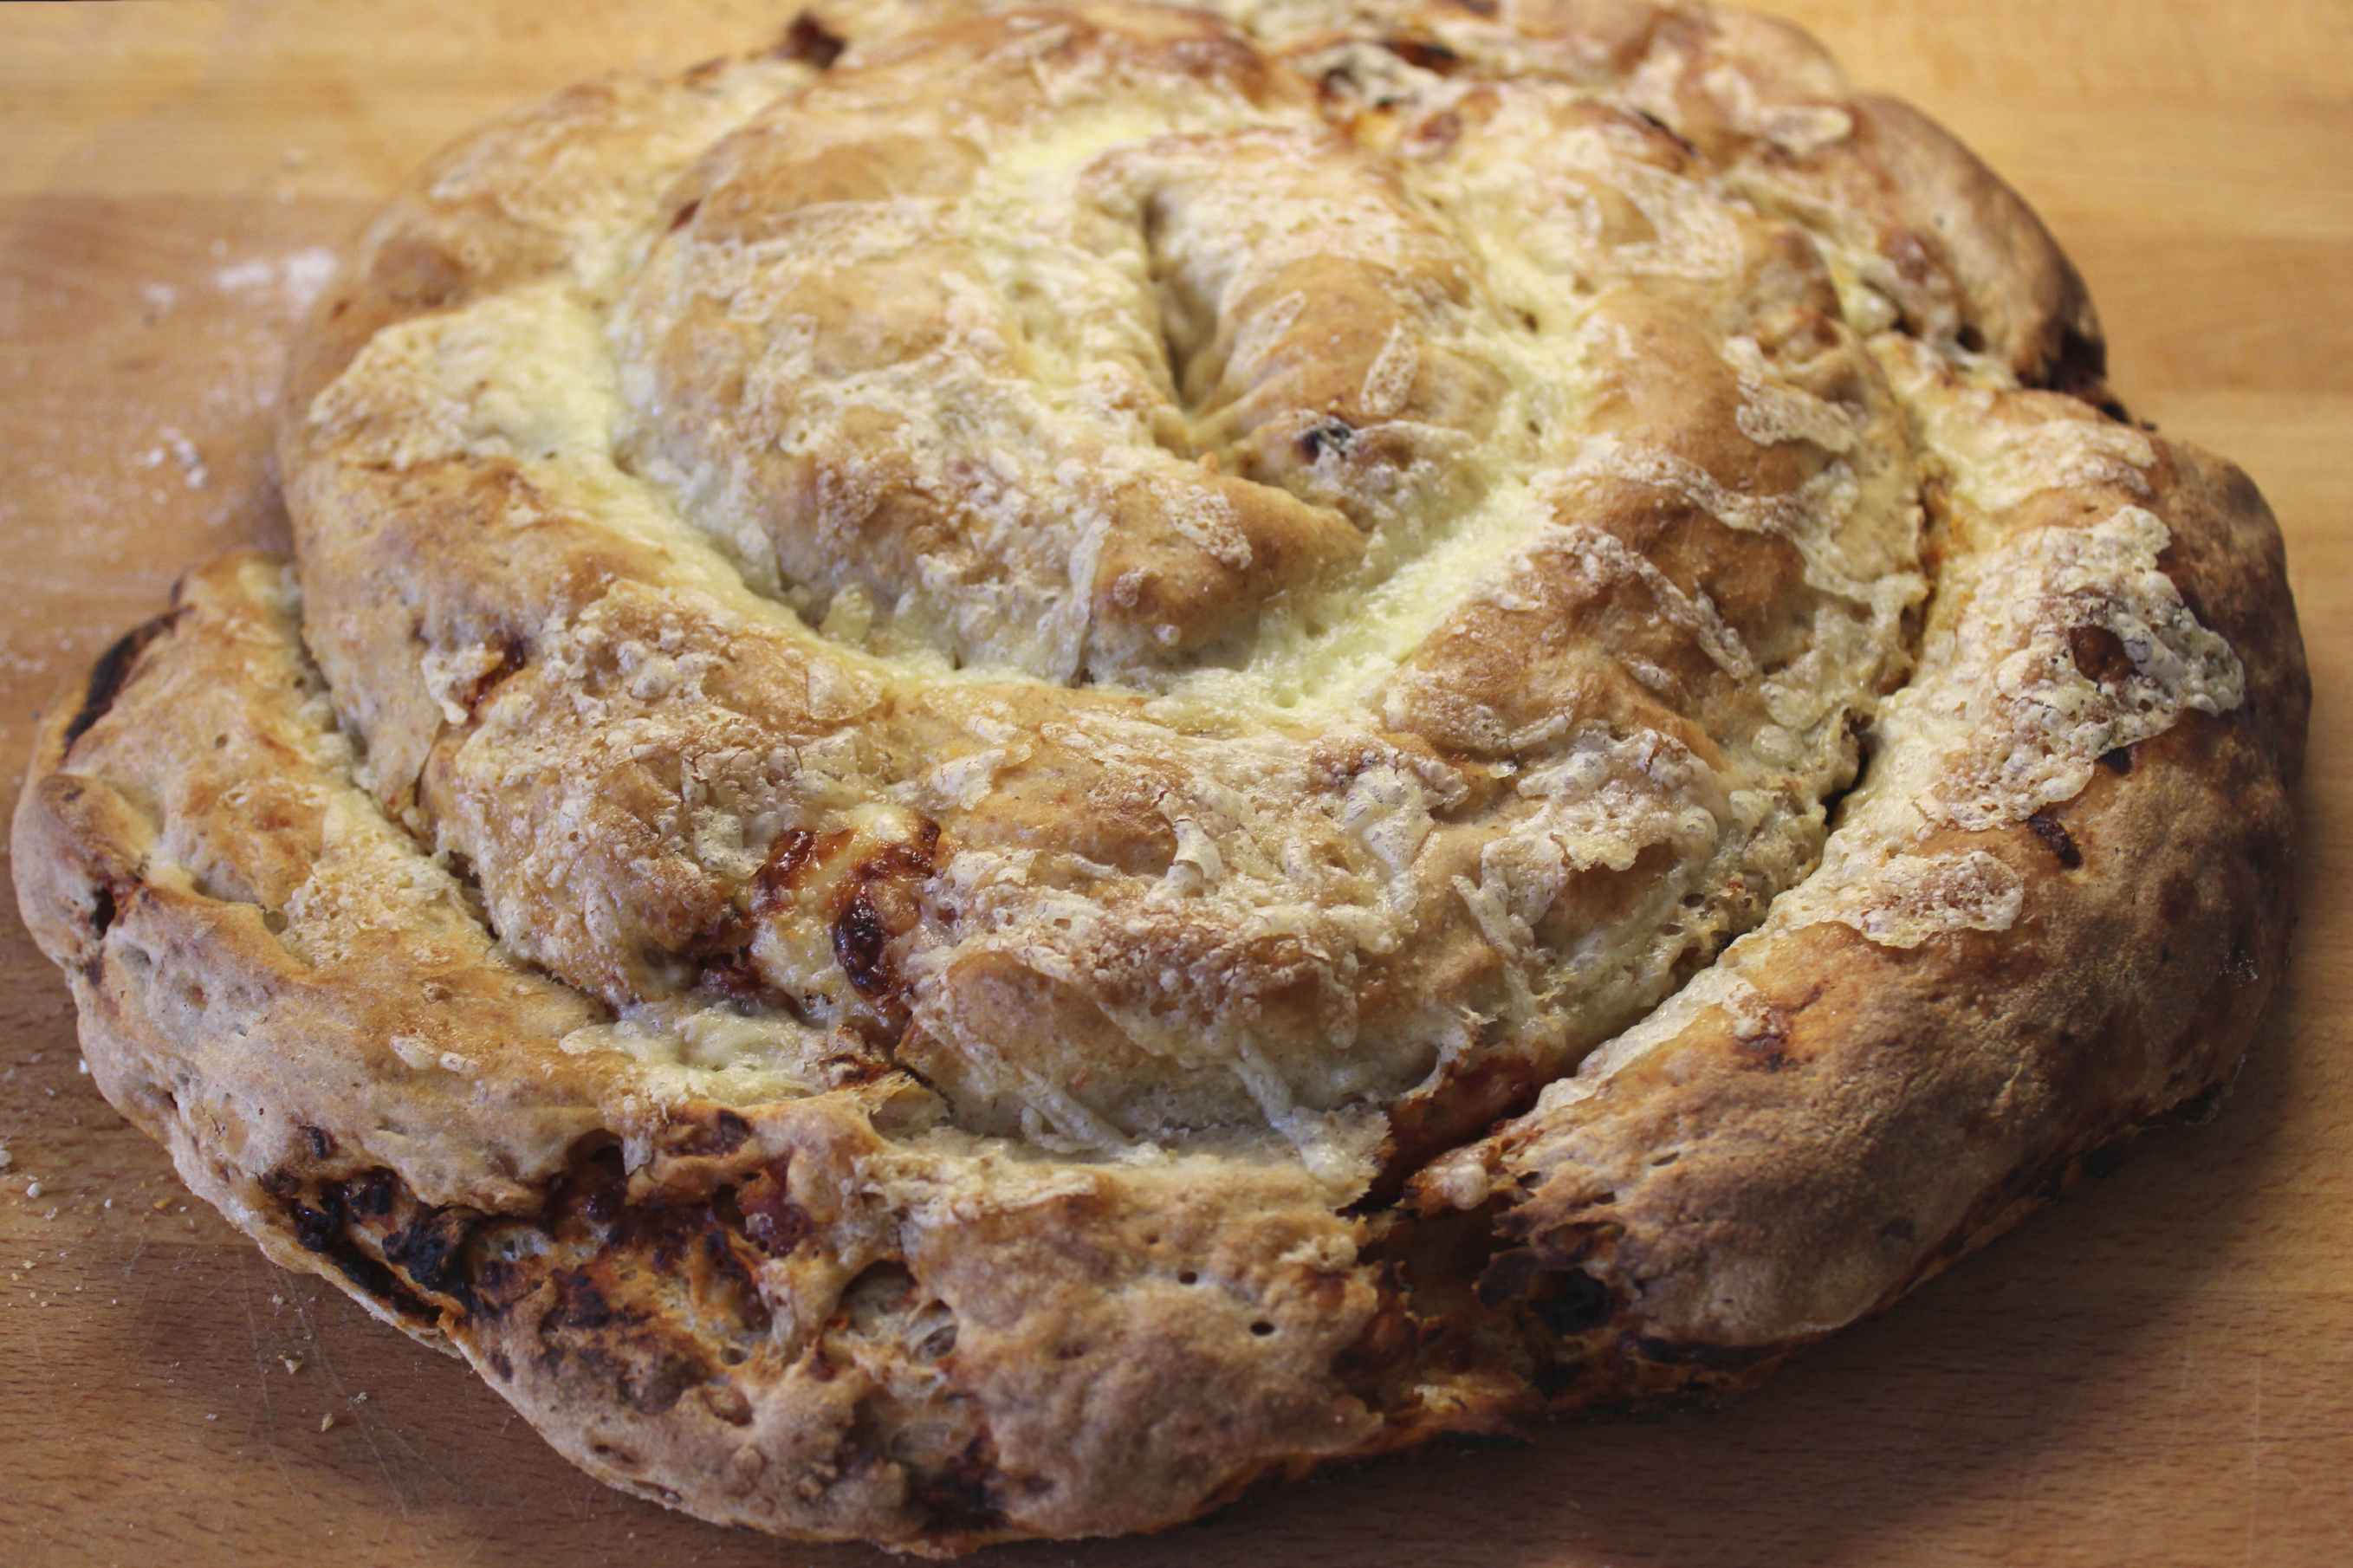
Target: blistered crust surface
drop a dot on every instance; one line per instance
(1013, 759)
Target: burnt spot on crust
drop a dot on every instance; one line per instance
(1327, 435)
(649, 1367)
(788, 856)
(774, 1222)
(860, 936)
(416, 1248)
(594, 1185)
(809, 41)
(727, 1278)
(876, 904)
(497, 1284)
(651, 1300)
(317, 1229)
(862, 1063)
(683, 1256)
(511, 658)
(579, 1304)
(1568, 1302)
(431, 1250)
(725, 949)
(734, 975)
(112, 672)
(371, 1194)
(321, 1143)
(2053, 834)
(712, 1134)
(961, 1494)
(321, 1228)
(1423, 53)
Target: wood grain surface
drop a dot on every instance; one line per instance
(2158, 1371)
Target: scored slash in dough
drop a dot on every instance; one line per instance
(1029, 761)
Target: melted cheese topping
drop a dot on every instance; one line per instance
(1178, 610)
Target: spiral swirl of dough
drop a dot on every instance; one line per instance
(1055, 558)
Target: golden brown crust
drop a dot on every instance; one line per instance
(736, 1326)
(1840, 1118)
(1433, 503)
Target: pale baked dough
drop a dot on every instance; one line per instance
(1094, 753)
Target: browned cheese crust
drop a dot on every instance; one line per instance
(1029, 761)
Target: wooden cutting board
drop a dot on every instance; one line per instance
(2160, 1371)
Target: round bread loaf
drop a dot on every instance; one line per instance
(1025, 761)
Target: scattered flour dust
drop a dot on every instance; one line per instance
(178, 447)
(296, 278)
